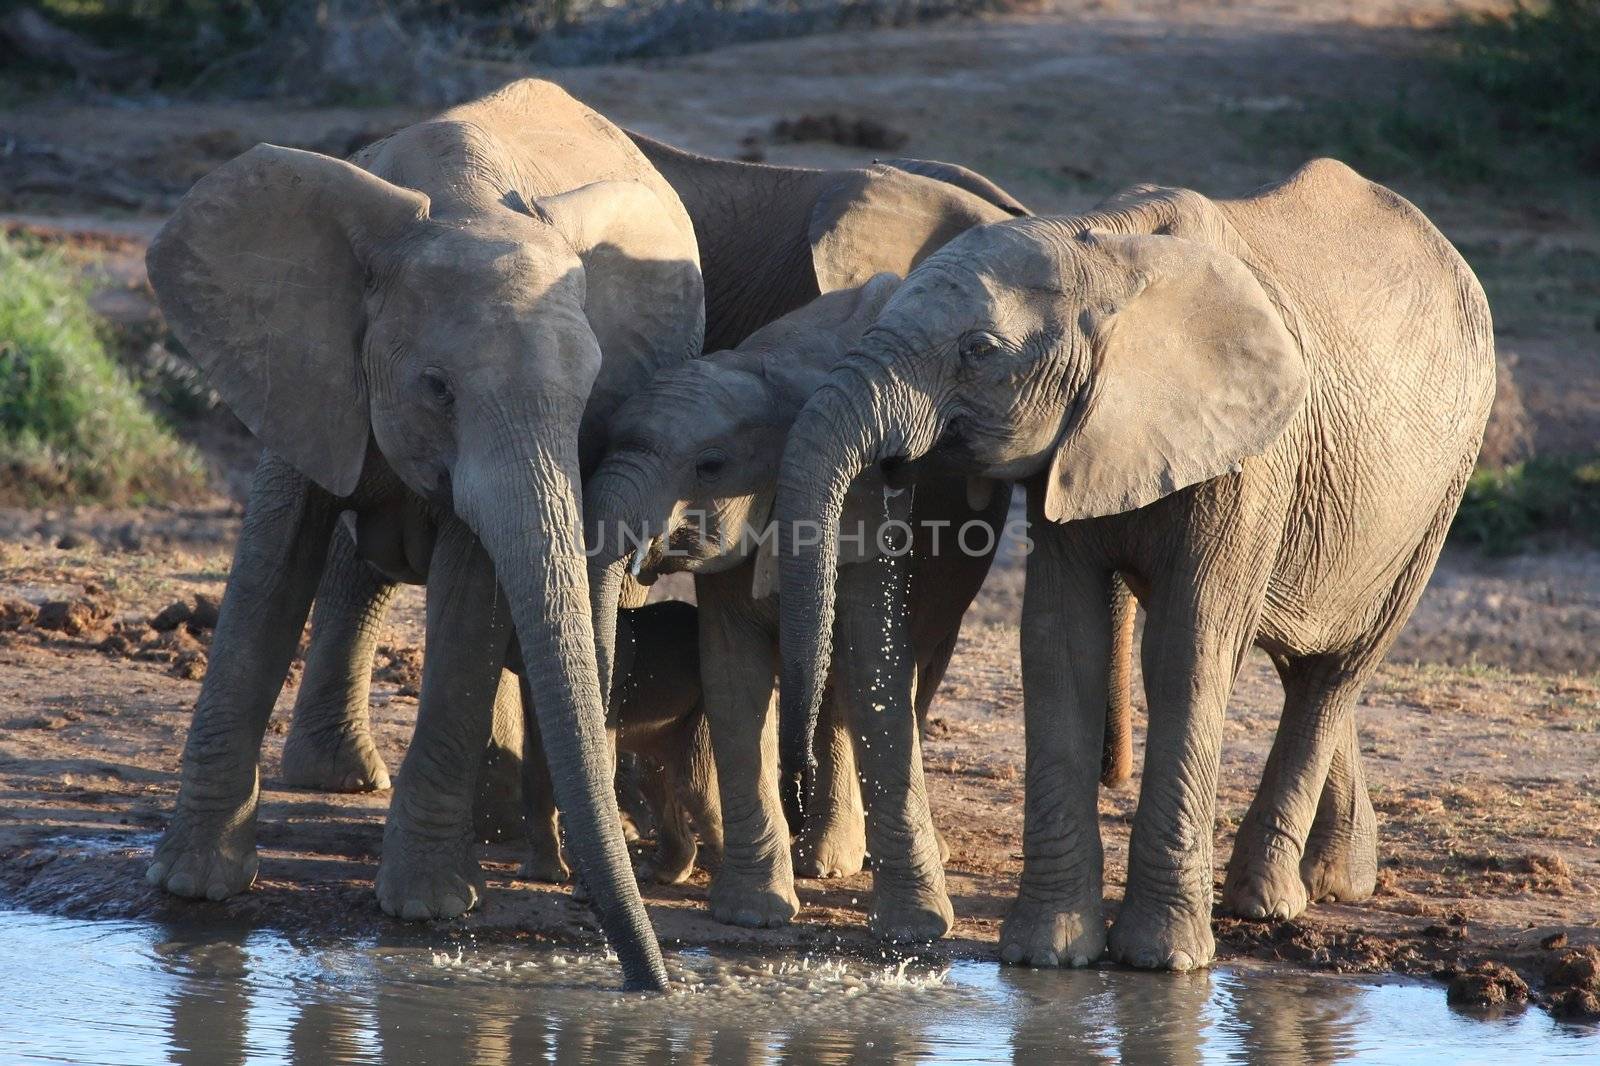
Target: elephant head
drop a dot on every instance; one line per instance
(336, 311)
(1115, 368)
(691, 462)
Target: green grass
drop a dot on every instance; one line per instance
(1502, 509)
(73, 427)
(1503, 100)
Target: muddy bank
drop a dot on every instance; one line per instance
(1484, 782)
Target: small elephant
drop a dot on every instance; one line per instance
(1262, 413)
(686, 486)
(660, 718)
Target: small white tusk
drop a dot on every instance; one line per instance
(639, 557)
(889, 493)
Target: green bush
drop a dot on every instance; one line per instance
(72, 426)
(1504, 99)
(1541, 63)
(1502, 508)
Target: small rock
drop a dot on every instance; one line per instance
(206, 612)
(72, 617)
(172, 616)
(70, 541)
(1554, 941)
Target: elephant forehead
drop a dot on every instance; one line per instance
(465, 262)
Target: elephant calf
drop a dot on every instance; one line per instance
(659, 716)
(1262, 412)
(685, 486)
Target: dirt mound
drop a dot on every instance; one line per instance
(834, 128)
(1487, 986)
(1572, 984)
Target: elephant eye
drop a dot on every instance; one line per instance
(979, 345)
(438, 386)
(710, 465)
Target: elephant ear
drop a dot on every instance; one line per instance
(1193, 373)
(645, 299)
(261, 274)
(963, 178)
(885, 219)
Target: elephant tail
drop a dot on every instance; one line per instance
(1116, 758)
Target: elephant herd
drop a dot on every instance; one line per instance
(534, 360)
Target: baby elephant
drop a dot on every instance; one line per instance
(1262, 412)
(660, 719)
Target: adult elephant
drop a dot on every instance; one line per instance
(1263, 413)
(423, 337)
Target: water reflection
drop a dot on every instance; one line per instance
(124, 992)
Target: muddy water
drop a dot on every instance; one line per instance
(125, 992)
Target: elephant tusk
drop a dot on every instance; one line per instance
(639, 555)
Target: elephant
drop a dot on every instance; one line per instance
(531, 173)
(770, 239)
(660, 717)
(686, 486)
(1261, 412)
(429, 337)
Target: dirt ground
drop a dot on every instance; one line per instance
(1481, 736)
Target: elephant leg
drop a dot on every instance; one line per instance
(674, 858)
(330, 746)
(1263, 878)
(1273, 872)
(1116, 761)
(930, 674)
(754, 886)
(428, 868)
(208, 850)
(545, 861)
(497, 809)
(833, 840)
(1057, 918)
(1201, 619)
(1341, 859)
(874, 677)
(697, 783)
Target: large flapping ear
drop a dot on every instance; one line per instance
(645, 299)
(884, 219)
(1194, 372)
(962, 178)
(261, 272)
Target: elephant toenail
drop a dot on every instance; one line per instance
(154, 873)
(1181, 961)
(1011, 954)
(1079, 961)
(1047, 959)
(414, 910)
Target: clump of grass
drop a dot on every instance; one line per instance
(1503, 508)
(73, 428)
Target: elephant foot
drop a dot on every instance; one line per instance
(498, 813)
(420, 879)
(752, 899)
(545, 868)
(910, 913)
(834, 850)
(1343, 869)
(206, 856)
(672, 864)
(1264, 884)
(345, 761)
(1153, 935)
(1047, 934)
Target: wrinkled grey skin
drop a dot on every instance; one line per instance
(1262, 412)
(450, 320)
(770, 239)
(690, 473)
(659, 716)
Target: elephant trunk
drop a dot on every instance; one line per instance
(864, 414)
(525, 509)
(616, 526)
